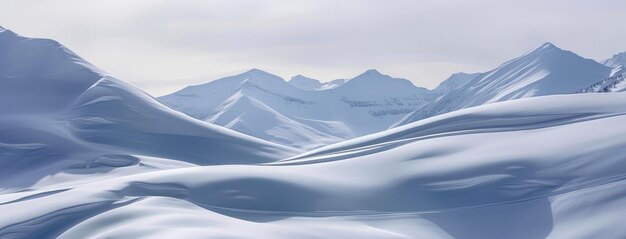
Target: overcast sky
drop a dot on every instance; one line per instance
(161, 46)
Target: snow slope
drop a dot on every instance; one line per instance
(59, 115)
(106, 160)
(617, 60)
(616, 82)
(306, 83)
(547, 70)
(453, 82)
(302, 113)
(544, 167)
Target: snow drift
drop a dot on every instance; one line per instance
(60, 113)
(501, 170)
(106, 160)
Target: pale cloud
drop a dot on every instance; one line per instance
(153, 44)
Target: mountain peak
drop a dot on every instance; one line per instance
(256, 71)
(302, 78)
(372, 72)
(5, 31)
(304, 83)
(545, 47)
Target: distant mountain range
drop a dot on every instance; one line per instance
(546, 70)
(60, 113)
(303, 112)
(85, 155)
(306, 113)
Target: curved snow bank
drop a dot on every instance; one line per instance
(40, 75)
(115, 114)
(107, 160)
(531, 113)
(541, 168)
(62, 119)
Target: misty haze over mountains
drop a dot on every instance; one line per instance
(305, 113)
(531, 149)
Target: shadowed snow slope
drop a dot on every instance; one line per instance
(60, 114)
(617, 81)
(541, 167)
(546, 70)
(305, 83)
(303, 113)
(108, 161)
(454, 81)
(618, 60)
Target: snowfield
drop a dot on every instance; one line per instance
(89, 156)
(546, 70)
(505, 170)
(302, 113)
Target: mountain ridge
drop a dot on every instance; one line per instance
(335, 110)
(546, 70)
(61, 114)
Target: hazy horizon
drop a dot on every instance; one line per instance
(163, 46)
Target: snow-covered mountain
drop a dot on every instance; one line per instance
(616, 82)
(84, 155)
(541, 167)
(618, 60)
(546, 70)
(61, 118)
(303, 112)
(454, 81)
(306, 83)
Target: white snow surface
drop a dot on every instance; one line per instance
(545, 167)
(301, 113)
(547, 70)
(108, 161)
(306, 83)
(453, 82)
(60, 114)
(618, 60)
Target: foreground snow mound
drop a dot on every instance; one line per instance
(547, 70)
(63, 118)
(302, 113)
(541, 167)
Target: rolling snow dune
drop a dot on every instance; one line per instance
(60, 114)
(541, 167)
(106, 160)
